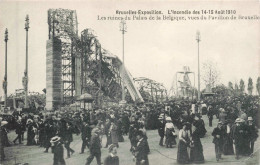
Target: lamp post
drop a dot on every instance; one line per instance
(198, 40)
(123, 29)
(25, 78)
(5, 77)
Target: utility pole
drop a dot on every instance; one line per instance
(25, 78)
(5, 78)
(123, 29)
(198, 40)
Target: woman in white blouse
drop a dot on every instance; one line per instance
(184, 141)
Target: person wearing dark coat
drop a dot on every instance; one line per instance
(106, 130)
(19, 131)
(112, 158)
(196, 152)
(94, 147)
(134, 127)
(218, 140)
(3, 135)
(228, 141)
(68, 139)
(49, 132)
(161, 126)
(210, 115)
(58, 151)
(239, 138)
(30, 133)
(41, 133)
(140, 151)
(85, 136)
(184, 141)
(253, 134)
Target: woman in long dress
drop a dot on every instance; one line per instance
(196, 152)
(184, 140)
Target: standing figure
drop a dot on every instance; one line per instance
(19, 131)
(112, 158)
(85, 136)
(184, 141)
(106, 130)
(30, 132)
(133, 133)
(94, 147)
(161, 126)
(253, 133)
(210, 115)
(68, 139)
(140, 151)
(238, 138)
(49, 132)
(196, 153)
(3, 135)
(114, 132)
(218, 140)
(170, 133)
(228, 142)
(58, 151)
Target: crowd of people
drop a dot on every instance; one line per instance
(55, 129)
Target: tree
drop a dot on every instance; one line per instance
(242, 86)
(230, 88)
(250, 86)
(230, 85)
(258, 85)
(236, 89)
(210, 73)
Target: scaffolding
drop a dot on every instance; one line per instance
(86, 66)
(63, 25)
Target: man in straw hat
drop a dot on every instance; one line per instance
(57, 150)
(238, 137)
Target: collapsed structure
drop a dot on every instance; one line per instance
(78, 64)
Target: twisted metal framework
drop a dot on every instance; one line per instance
(98, 70)
(151, 90)
(100, 73)
(86, 66)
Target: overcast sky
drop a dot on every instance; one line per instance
(153, 49)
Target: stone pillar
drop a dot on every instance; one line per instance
(53, 74)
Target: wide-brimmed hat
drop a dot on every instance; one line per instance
(3, 123)
(220, 122)
(95, 130)
(250, 118)
(110, 147)
(55, 139)
(29, 121)
(238, 120)
(168, 119)
(169, 125)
